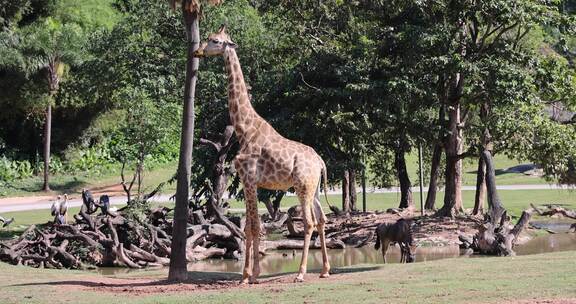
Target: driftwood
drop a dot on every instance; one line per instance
(495, 236)
(552, 210)
(276, 224)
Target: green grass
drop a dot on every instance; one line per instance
(460, 280)
(72, 183)
(470, 166)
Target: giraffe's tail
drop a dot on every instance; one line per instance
(334, 209)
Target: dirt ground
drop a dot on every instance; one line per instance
(201, 282)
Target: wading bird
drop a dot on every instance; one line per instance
(55, 209)
(64, 209)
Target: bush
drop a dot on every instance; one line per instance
(11, 170)
(92, 159)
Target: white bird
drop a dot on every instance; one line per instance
(56, 206)
(64, 208)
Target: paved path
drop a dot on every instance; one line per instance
(43, 202)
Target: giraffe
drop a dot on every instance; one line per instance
(268, 160)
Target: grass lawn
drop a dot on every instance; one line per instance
(460, 280)
(74, 183)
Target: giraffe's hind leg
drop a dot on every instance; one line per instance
(321, 218)
(306, 198)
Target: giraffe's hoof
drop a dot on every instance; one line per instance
(299, 279)
(244, 281)
(254, 281)
(325, 275)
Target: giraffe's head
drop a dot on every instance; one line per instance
(216, 45)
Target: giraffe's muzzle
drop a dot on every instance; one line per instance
(199, 53)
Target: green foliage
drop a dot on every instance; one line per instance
(11, 170)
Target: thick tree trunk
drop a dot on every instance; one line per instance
(47, 135)
(346, 191)
(178, 270)
(353, 194)
(480, 188)
(406, 198)
(434, 174)
(453, 174)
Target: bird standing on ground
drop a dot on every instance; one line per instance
(64, 208)
(55, 209)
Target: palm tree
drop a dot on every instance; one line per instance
(191, 10)
(47, 47)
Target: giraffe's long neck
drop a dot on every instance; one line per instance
(242, 115)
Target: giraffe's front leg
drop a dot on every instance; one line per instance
(252, 213)
(247, 272)
(255, 250)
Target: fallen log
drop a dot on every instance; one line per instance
(552, 210)
(200, 253)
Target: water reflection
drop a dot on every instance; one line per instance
(548, 243)
(284, 261)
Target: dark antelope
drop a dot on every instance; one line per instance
(399, 232)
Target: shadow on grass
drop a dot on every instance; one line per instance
(6, 235)
(497, 172)
(202, 278)
(58, 186)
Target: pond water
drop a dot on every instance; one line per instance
(283, 261)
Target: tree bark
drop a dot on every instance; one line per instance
(453, 174)
(480, 188)
(47, 135)
(494, 204)
(434, 174)
(406, 198)
(481, 175)
(345, 191)
(353, 194)
(178, 270)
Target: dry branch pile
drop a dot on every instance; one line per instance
(115, 240)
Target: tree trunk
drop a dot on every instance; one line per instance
(345, 191)
(434, 174)
(353, 194)
(178, 270)
(480, 188)
(47, 135)
(406, 199)
(494, 204)
(453, 192)
(481, 175)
